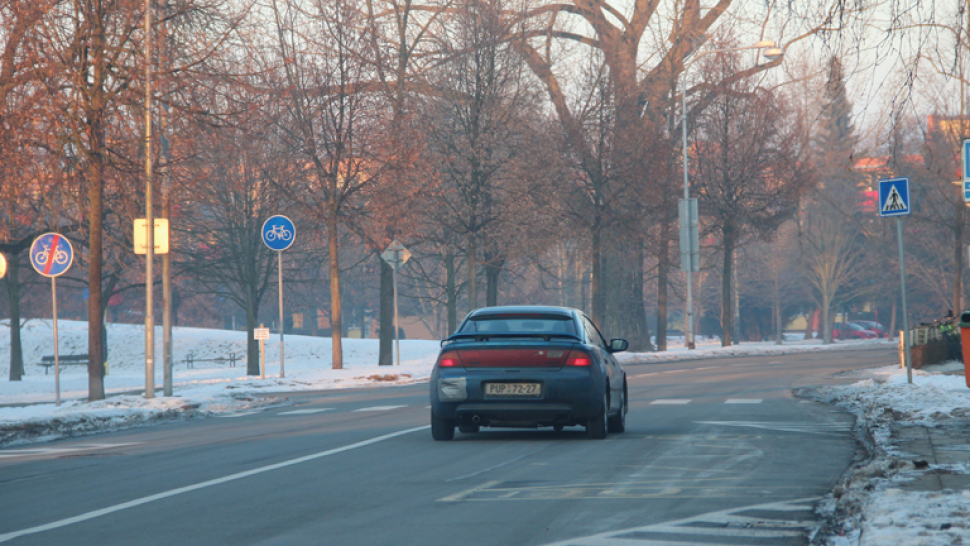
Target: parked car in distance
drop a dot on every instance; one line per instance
(880, 330)
(528, 367)
(852, 331)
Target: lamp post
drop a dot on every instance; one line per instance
(771, 52)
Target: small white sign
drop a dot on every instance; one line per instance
(160, 236)
(396, 255)
(260, 333)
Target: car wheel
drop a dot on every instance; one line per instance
(596, 428)
(468, 429)
(557, 428)
(617, 423)
(441, 428)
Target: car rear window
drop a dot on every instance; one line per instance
(518, 323)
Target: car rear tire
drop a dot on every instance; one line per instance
(617, 423)
(596, 427)
(557, 428)
(442, 429)
(468, 429)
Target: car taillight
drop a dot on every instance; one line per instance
(577, 358)
(449, 360)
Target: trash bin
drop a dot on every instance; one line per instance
(965, 343)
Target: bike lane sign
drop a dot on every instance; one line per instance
(279, 232)
(51, 254)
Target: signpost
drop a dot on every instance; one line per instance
(279, 234)
(52, 255)
(396, 255)
(894, 200)
(965, 168)
(261, 334)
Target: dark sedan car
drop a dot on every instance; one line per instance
(528, 366)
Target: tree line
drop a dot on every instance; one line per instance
(525, 151)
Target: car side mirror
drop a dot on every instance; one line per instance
(618, 345)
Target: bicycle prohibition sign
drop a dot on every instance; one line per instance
(52, 255)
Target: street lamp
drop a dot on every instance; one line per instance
(771, 52)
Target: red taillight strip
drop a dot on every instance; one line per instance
(449, 360)
(579, 358)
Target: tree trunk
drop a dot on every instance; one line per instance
(95, 253)
(776, 308)
(727, 301)
(252, 346)
(492, 272)
(13, 297)
(663, 268)
(451, 292)
(385, 355)
(826, 320)
(892, 324)
(335, 323)
(472, 274)
(596, 280)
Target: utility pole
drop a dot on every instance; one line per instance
(149, 217)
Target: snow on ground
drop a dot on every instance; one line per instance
(27, 409)
(711, 348)
(872, 507)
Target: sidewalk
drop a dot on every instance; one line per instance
(913, 489)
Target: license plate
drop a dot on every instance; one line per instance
(533, 390)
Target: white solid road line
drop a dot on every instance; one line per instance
(670, 401)
(304, 411)
(380, 408)
(202, 485)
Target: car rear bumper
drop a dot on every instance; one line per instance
(569, 397)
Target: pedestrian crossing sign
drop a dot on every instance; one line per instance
(894, 197)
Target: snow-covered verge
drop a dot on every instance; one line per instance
(28, 412)
(711, 348)
(873, 506)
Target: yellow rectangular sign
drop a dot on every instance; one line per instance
(161, 235)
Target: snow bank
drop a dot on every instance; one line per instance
(871, 506)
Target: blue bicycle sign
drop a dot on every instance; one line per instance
(51, 254)
(279, 232)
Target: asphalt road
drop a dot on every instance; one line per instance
(706, 441)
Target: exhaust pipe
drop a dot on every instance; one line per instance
(476, 419)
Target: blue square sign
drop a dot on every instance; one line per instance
(894, 197)
(965, 167)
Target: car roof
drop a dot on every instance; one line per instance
(523, 310)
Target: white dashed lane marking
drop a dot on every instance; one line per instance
(670, 402)
(743, 401)
(380, 408)
(305, 411)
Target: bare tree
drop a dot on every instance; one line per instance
(750, 168)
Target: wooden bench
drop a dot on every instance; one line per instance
(190, 360)
(48, 361)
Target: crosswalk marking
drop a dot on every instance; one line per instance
(728, 527)
(743, 401)
(670, 401)
(62, 450)
(379, 408)
(305, 411)
(806, 427)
